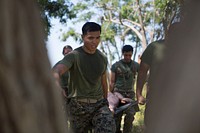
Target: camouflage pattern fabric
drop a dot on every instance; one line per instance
(87, 115)
(129, 114)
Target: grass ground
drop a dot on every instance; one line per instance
(139, 117)
(138, 123)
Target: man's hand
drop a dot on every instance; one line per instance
(141, 100)
(126, 100)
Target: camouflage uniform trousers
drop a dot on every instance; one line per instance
(87, 115)
(129, 114)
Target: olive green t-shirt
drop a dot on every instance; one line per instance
(153, 56)
(85, 73)
(125, 74)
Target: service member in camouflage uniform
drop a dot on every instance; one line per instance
(64, 79)
(151, 60)
(88, 84)
(123, 74)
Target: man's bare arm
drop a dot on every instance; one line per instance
(58, 70)
(112, 81)
(141, 79)
(104, 84)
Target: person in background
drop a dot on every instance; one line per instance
(123, 74)
(66, 49)
(64, 79)
(151, 60)
(88, 87)
(150, 57)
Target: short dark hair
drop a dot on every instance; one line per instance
(127, 48)
(90, 26)
(67, 46)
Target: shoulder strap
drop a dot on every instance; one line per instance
(120, 66)
(133, 69)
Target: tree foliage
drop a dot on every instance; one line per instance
(138, 22)
(135, 22)
(60, 9)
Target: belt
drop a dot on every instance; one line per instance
(87, 100)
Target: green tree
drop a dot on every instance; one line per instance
(136, 21)
(60, 9)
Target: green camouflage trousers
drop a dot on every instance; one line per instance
(87, 115)
(129, 114)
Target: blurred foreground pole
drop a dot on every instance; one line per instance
(29, 99)
(175, 95)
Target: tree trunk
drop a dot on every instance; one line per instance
(143, 32)
(30, 101)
